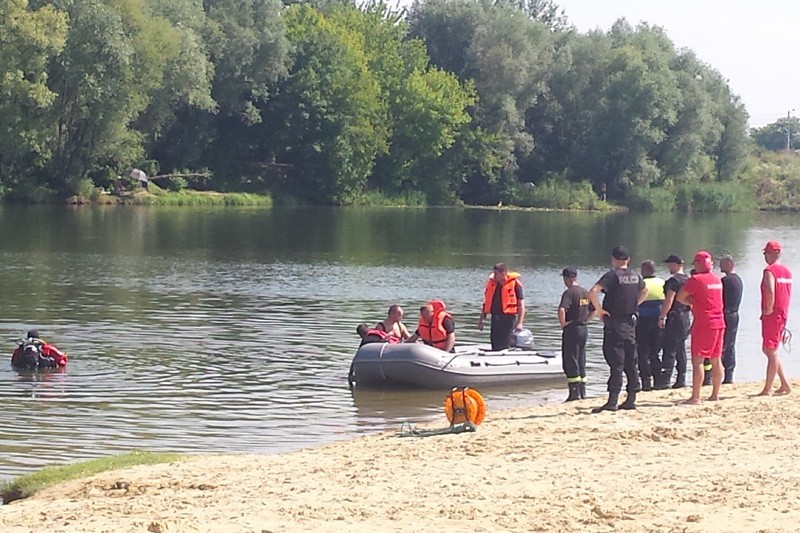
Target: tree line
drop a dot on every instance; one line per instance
(321, 102)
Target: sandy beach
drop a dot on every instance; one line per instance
(721, 466)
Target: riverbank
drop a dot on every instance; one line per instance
(722, 466)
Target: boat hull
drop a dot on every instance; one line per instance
(418, 365)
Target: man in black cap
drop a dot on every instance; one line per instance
(675, 320)
(574, 312)
(624, 290)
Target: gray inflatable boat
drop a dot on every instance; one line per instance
(472, 365)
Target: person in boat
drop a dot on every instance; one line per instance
(33, 352)
(503, 299)
(436, 327)
(648, 334)
(574, 311)
(624, 291)
(392, 324)
(369, 335)
(703, 294)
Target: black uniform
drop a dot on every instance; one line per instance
(575, 301)
(676, 330)
(502, 324)
(732, 289)
(621, 287)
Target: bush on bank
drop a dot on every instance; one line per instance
(706, 197)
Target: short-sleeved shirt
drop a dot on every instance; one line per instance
(732, 289)
(707, 308)
(621, 287)
(497, 302)
(575, 301)
(674, 284)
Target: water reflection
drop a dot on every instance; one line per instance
(233, 330)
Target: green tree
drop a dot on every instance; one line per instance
(426, 107)
(28, 40)
(774, 136)
(330, 120)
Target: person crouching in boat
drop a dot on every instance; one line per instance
(369, 335)
(33, 353)
(436, 327)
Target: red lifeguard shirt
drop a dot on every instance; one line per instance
(707, 307)
(783, 289)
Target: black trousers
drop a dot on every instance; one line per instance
(573, 351)
(648, 345)
(619, 351)
(729, 343)
(502, 329)
(674, 342)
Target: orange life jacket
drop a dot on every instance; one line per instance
(508, 294)
(434, 334)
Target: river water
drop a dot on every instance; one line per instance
(232, 330)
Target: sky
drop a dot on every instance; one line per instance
(755, 45)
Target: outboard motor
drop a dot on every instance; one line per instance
(523, 339)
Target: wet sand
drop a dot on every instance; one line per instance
(720, 466)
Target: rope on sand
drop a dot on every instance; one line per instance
(407, 430)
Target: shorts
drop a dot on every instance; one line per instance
(772, 327)
(708, 343)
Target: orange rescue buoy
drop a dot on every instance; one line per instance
(464, 405)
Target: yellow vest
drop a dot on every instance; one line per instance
(655, 289)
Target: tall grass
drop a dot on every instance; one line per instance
(557, 194)
(650, 199)
(28, 485)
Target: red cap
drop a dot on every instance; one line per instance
(702, 261)
(772, 246)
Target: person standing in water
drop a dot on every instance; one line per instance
(703, 292)
(732, 288)
(776, 292)
(624, 290)
(503, 299)
(574, 312)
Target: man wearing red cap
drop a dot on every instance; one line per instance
(703, 291)
(776, 291)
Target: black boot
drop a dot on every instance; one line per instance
(680, 381)
(707, 369)
(610, 405)
(661, 381)
(582, 390)
(574, 392)
(646, 385)
(728, 377)
(630, 401)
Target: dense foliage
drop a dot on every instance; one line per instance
(329, 102)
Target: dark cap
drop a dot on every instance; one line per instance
(678, 260)
(620, 252)
(33, 334)
(569, 272)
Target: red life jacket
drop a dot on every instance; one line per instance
(508, 294)
(434, 334)
(378, 335)
(48, 350)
